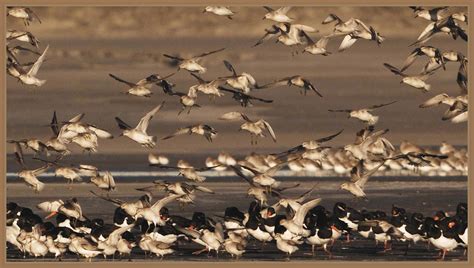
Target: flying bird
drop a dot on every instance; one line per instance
(364, 114)
(192, 64)
(139, 133)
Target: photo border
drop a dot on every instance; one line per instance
(249, 263)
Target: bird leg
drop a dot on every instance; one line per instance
(442, 257)
(327, 251)
(199, 251)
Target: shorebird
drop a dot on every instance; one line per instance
(185, 190)
(457, 111)
(367, 33)
(446, 25)
(22, 36)
(158, 159)
(130, 207)
(296, 80)
(255, 128)
(24, 13)
(292, 33)
(105, 181)
(29, 176)
(429, 51)
(200, 129)
(342, 28)
(364, 139)
(141, 88)
(243, 82)
(434, 14)
(309, 145)
(295, 221)
(416, 81)
(186, 170)
(359, 177)
(264, 179)
(318, 48)
(34, 144)
(29, 77)
(364, 114)
(139, 134)
(210, 88)
(153, 214)
(278, 15)
(83, 134)
(192, 64)
(187, 100)
(220, 11)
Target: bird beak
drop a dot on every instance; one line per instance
(263, 18)
(51, 215)
(204, 11)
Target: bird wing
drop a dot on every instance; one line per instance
(35, 68)
(277, 83)
(284, 10)
(273, 170)
(173, 57)
(436, 100)
(204, 189)
(270, 130)
(30, 12)
(240, 174)
(181, 131)
(76, 118)
(347, 42)
(232, 116)
(117, 202)
(360, 23)
(201, 81)
(328, 138)
(161, 203)
(19, 154)
(115, 236)
(322, 42)
(330, 18)
(410, 59)
(208, 53)
(364, 177)
(143, 124)
(100, 132)
(230, 67)
(54, 124)
(269, 9)
(308, 85)
(41, 170)
(381, 105)
(394, 69)
(340, 111)
(109, 179)
(130, 84)
(298, 219)
(122, 124)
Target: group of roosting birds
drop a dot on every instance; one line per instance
(151, 228)
(155, 230)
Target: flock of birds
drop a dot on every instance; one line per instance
(151, 227)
